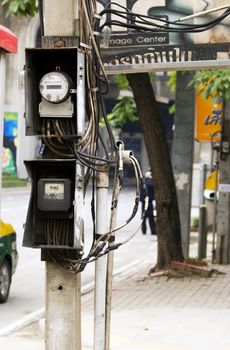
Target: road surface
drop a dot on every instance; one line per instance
(27, 290)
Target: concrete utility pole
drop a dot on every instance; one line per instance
(63, 289)
(223, 214)
(182, 152)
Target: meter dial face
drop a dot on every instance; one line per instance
(55, 87)
(54, 191)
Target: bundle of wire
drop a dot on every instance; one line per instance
(69, 259)
(143, 23)
(60, 138)
(59, 135)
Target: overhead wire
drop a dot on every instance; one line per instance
(133, 23)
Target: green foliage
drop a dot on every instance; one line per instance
(9, 180)
(172, 84)
(172, 81)
(172, 109)
(122, 82)
(125, 107)
(213, 83)
(20, 7)
(195, 222)
(124, 110)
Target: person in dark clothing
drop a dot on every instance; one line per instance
(149, 214)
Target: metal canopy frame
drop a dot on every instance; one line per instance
(169, 66)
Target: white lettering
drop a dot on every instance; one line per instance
(151, 40)
(120, 42)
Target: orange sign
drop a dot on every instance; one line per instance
(209, 119)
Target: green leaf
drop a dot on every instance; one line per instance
(206, 94)
(172, 109)
(20, 7)
(13, 7)
(122, 82)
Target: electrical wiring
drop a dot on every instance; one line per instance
(93, 39)
(60, 134)
(107, 235)
(134, 19)
(130, 16)
(90, 151)
(99, 246)
(205, 12)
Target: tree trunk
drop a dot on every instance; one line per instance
(168, 222)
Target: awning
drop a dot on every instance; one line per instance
(8, 40)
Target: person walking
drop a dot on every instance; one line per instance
(149, 213)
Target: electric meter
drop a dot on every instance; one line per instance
(54, 194)
(55, 87)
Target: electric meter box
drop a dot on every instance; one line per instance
(54, 87)
(50, 216)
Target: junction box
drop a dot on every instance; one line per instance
(50, 217)
(54, 88)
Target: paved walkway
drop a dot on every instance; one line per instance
(190, 313)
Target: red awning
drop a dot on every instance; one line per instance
(8, 40)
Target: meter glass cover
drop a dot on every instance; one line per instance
(55, 87)
(54, 191)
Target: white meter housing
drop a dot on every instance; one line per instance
(55, 87)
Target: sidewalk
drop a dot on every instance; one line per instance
(190, 313)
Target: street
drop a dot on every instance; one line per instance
(27, 290)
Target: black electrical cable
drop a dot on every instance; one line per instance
(114, 3)
(40, 10)
(155, 17)
(126, 16)
(60, 137)
(192, 28)
(164, 29)
(96, 249)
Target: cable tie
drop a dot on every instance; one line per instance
(96, 33)
(86, 46)
(112, 247)
(96, 15)
(114, 204)
(82, 267)
(99, 249)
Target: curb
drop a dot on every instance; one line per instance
(86, 289)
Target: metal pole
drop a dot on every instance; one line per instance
(215, 208)
(202, 239)
(110, 260)
(100, 264)
(2, 96)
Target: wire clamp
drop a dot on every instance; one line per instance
(73, 91)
